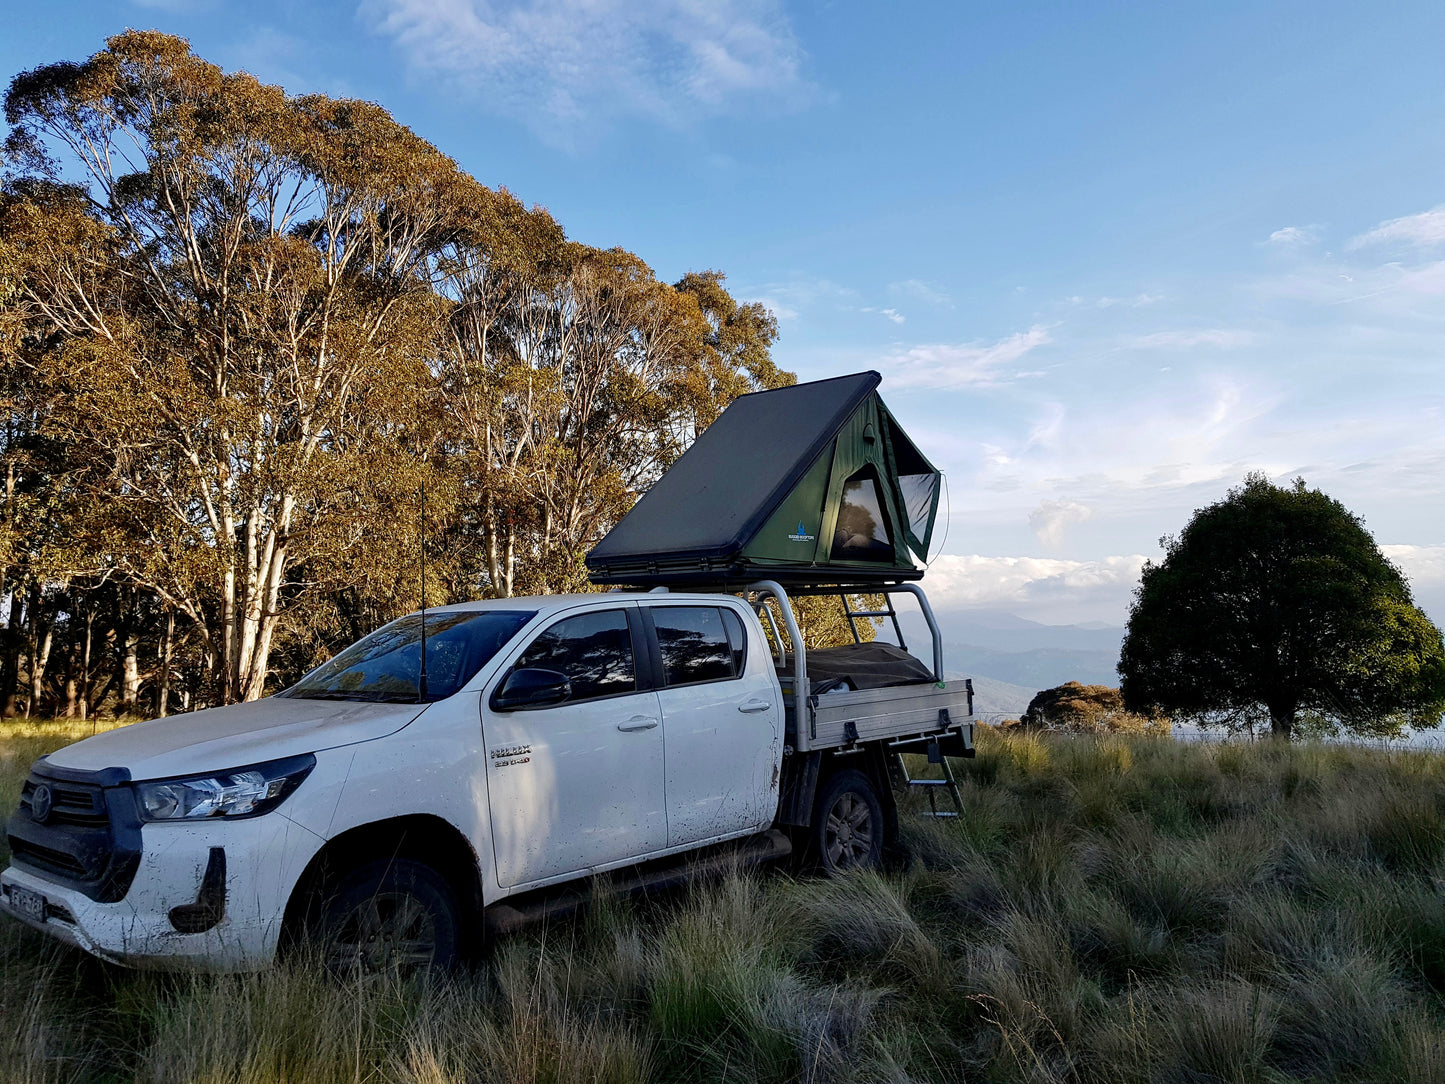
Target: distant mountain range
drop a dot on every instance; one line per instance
(1012, 657)
(999, 698)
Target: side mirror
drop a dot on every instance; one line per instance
(529, 688)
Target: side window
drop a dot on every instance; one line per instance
(594, 651)
(694, 643)
(737, 640)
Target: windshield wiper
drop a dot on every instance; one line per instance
(364, 696)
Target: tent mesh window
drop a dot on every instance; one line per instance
(917, 484)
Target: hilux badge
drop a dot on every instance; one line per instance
(41, 801)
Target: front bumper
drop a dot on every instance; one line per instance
(263, 857)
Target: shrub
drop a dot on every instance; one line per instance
(1088, 709)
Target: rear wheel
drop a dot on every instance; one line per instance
(399, 917)
(848, 824)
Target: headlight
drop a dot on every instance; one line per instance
(240, 792)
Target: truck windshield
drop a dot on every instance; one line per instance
(386, 665)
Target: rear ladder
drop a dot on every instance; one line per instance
(853, 616)
(901, 778)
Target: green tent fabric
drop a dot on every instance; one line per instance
(810, 484)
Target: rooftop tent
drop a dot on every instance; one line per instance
(810, 484)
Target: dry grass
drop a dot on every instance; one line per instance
(1108, 910)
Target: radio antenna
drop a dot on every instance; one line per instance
(421, 489)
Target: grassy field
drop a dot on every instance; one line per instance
(1108, 910)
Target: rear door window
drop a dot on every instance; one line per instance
(594, 651)
(694, 644)
(737, 639)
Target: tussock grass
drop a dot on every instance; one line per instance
(1111, 909)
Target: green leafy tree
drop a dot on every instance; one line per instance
(1275, 603)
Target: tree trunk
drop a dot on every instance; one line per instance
(510, 562)
(494, 566)
(71, 666)
(39, 657)
(228, 634)
(262, 612)
(163, 693)
(85, 685)
(32, 636)
(128, 633)
(1281, 720)
(14, 644)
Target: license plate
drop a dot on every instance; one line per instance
(30, 904)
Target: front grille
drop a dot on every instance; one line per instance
(89, 836)
(72, 803)
(47, 858)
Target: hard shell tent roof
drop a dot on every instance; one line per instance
(810, 484)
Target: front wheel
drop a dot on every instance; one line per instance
(848, 824)
(395, 916)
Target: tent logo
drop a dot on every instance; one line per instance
(802, 535)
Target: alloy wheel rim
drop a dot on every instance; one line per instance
(848, 834)
(391, 931)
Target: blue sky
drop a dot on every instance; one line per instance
(1108, 257)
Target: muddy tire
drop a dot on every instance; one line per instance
(848, 825)
(390, 917)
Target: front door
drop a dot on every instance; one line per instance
(723, 723)
(577, 785)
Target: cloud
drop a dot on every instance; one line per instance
(1221, 338)
(1043, 586)
(562, 65)
(960, 365)
(1292, 235)
(1131, 456)
(1055, 590)
(1051, 519)
(1424, 229)
(777, 308)
(1390, 288)
(804, 293)
(921, 291)
(892, 314)
(1423, 566)
(1135, 302)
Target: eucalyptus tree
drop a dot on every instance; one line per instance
(241, 332)
(252, 276)
(573, 377)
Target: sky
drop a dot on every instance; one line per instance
(1109, 258)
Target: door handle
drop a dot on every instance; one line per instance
(752, 707)
(636, 723)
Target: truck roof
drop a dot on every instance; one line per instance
(552, 603)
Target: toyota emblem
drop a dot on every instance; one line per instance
(42, 799)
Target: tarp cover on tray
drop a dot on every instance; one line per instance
(874, 665)
(810, 484)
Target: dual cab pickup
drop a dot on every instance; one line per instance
(384, 810)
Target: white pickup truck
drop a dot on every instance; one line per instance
(391, 813)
